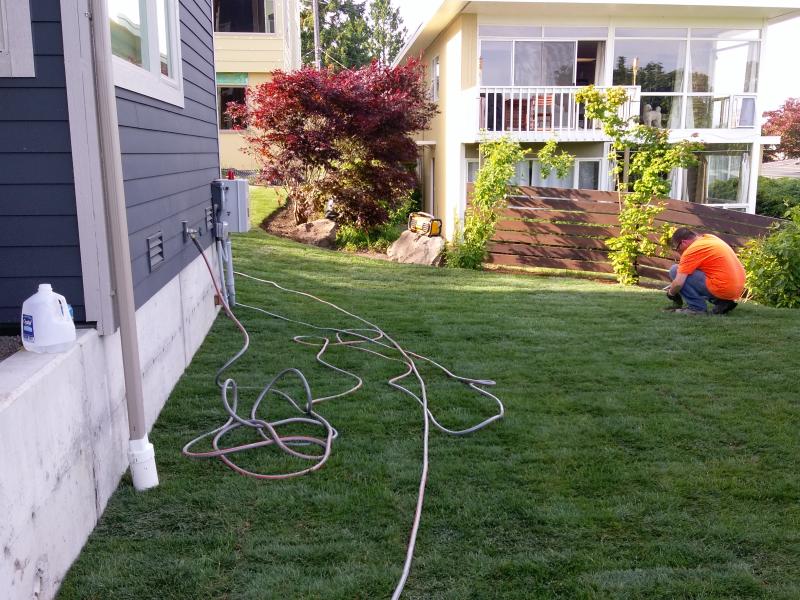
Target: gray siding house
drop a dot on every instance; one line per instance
(63, 421)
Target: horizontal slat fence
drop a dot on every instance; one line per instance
(566, 229)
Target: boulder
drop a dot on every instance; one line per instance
(321, 232)
(417, 248)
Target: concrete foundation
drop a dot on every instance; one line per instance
(64, 431)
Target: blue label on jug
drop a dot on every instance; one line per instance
(27, 327)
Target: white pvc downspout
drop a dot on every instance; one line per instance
(141, 455)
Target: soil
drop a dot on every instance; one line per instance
(281, 223)
(9, 345)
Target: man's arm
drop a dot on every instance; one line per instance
(677, 284)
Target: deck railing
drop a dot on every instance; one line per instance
(510, 109)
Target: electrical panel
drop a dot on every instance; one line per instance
(231, 201)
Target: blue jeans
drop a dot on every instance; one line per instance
(694, 290)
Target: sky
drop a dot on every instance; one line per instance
(780, 79)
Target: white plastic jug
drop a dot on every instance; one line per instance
(46, 322)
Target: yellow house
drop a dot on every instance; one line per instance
(513, 68)
(252, 38)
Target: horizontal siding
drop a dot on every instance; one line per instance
(38, 223)
(170, 157)
(249, 53)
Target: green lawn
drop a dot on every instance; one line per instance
(643, 454)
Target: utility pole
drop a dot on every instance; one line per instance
(317, 58)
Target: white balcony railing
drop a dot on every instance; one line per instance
(542, 109)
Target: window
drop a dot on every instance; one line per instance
(473, 164)
(244, 16)
(435, 79)
(721, 175)
(145, 44)
(690, 78)
(584, 174)
(16, 42)
(226, 95)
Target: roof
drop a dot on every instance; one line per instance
(781, 168)
(442, 12)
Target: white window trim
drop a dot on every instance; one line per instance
(16, 39)
(150, 82)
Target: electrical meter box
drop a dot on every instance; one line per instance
(231, 200)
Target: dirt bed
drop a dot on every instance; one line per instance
(281, 223)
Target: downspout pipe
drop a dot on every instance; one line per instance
(141, 455)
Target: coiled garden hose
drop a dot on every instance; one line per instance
(371, 339)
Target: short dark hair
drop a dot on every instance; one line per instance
(681, 234)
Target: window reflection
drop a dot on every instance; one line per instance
(126, 30)
(655, 65)
(723, 67)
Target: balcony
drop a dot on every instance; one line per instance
(539, 113)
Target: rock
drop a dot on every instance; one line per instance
(417, 248)
(321, 232)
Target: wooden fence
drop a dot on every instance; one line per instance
(566, 229)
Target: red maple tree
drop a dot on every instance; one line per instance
(784, 122)
(342, 135)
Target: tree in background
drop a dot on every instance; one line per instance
(339, 135)
(784, 122)
(343, 34)
(352, 33)
(387, 33)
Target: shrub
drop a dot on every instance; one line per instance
(346, 135)
(772, 265)
(775, 196)
(379, 238)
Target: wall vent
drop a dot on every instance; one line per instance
(209, 218)
(155, 251)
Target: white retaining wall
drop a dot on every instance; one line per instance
(64, 431)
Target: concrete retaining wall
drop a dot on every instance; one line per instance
(64, 431)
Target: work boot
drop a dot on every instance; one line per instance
(723, 307)
(677, 302)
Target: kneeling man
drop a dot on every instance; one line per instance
(709, 271)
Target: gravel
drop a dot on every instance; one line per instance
(9, 345)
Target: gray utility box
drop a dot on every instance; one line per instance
(231, 200)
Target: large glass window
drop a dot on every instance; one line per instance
(718, 65)
(655, 65)
(584, 174)
(496, 63)
(244, 16)
(723, 67)
(145, 43)
(721, 175)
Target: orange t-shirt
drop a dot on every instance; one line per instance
(712, 256)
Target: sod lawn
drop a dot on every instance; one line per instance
(643, 454)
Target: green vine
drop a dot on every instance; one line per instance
(653, 158)
(498, 160)
(550, 161)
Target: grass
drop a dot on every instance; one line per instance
(644, 454)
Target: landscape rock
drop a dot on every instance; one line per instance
(417, 248)
(321, 232)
